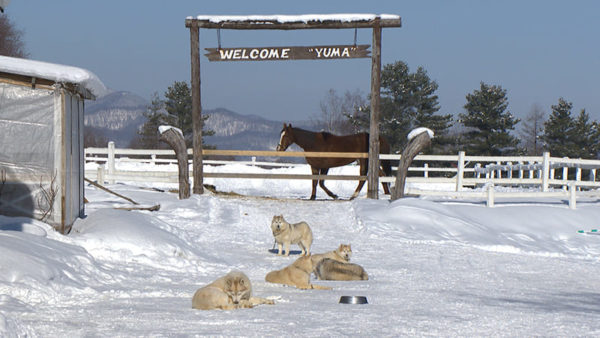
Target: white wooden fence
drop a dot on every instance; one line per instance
(547, 176)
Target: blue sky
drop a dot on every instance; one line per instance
(537, 50)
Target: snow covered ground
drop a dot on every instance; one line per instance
(436, 267)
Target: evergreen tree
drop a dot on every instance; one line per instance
(586, 137)
(559, 129)
(408, 101)
(178, 104)
(489, 122)
(148, 135)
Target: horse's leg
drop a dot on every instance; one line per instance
(313, 194)
(363, 172)
(386, 185)
(322, 184)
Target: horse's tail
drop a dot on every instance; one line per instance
(384, 148)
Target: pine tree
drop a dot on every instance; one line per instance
(586, 137)
(489, 122)
(178, 104)
(559, 129)
(148, 135)
(408, 101)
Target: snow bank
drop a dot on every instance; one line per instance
(40, 268)
(436, 267)
(551, 232)
(133, 237)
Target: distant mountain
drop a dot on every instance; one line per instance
(119, 115)
(242, 132)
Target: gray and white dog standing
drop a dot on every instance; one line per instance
(287, 234)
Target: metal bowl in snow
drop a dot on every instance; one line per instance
(353, 300)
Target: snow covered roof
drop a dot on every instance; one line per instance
(85, 81)
(310, 20)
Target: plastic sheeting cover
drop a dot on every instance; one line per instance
(26, 129)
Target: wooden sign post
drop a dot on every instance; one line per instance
(288, 53)
(292, 22)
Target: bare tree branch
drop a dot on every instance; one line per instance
(47, 198)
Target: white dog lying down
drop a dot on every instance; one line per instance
(232, 291)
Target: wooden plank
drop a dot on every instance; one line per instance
(172, 177)
(97, 185)
(286, 176)
(331, 52)
(218, 152)
(198, 187)
(373, 171)
(271, 23)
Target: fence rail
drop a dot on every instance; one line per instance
(569, 176)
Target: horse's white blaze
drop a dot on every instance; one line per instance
(281, 138)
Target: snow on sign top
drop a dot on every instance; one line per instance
(294, 18)
(53, 72)
(320, 21)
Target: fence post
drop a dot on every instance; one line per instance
(545, 171)
(521, 174)
(490, 195)
(499, 171)
(572, 196)
(100, 175)
(426, 170)
(460, 169)
(593, 175)
(153, 159)
(565, 176)
(578, 174)
(111, 161)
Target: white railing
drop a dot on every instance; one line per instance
(555, 177)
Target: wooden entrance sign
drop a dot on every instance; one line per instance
(291, 22)
(288, 53)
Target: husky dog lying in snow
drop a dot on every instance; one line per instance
(287, 234)
(329, 269)
(341, 254)
(232, 291)
(296, 274)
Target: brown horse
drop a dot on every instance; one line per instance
(326, 142)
